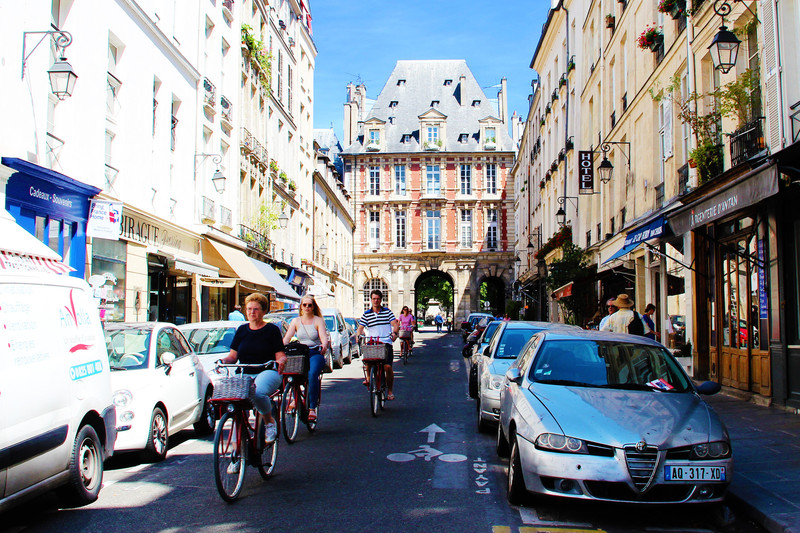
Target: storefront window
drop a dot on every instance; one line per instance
(108, 278)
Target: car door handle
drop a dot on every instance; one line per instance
(191, 373)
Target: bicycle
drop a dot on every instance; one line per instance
(405, 346)
(294, 400)
(240, 437)
(374, 357)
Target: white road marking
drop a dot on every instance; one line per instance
(432, 430)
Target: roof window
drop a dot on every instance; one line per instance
(434, 103)
(476, 103)
(448, 82)
(401, 82)
(393, 103)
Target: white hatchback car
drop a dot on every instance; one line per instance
(160, 387)
(339, 337)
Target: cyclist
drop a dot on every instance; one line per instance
(258, 342)
(310, 329)
(407, 323)
(382, 326)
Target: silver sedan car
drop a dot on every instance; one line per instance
(613, 417)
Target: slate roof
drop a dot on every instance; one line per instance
(425, 83)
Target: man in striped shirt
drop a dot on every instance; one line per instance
(383, 326)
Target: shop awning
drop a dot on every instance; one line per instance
(743, 192)
(239, 263)
(283, 289)
(319, 288)
(563, 291)
(19, 250)
(193, 266)
(650, 230)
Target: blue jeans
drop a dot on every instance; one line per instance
(315, 363)
(267, 382)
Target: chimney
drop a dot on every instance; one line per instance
(501, 101)
(462, 89)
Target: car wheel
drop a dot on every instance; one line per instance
(85, 470)
(501, 444)
(349, 358)
(339, 361)
(483, 425)
(473, 381)
(205, 424)
(158, 439)
(516, 485)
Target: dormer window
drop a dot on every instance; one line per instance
(434, 103)
(490, 139)
(463, 138)
(393, 103)
(401, 82)
(374, 140)
(476, 103)
(406, 138)
(448, 82)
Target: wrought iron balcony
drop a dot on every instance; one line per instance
(255, 239)
(209, 96)
(207, 206)
(747, 142)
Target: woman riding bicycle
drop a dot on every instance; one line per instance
(310, 330)
(407, 323)
(258, 342)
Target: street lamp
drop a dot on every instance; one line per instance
(606, 169)
(725, 45)
(561, 215)
(217, 179)
(323, 249)
(62, 77)
(283, 220)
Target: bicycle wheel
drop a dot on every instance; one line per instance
(266, 453)
(374, 391)
(230, 440)
(290, 412)
(382, 389)
(312, 424)
(404, 351)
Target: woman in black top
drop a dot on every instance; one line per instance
(258, 342)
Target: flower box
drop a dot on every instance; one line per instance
(650, 38)
(610, 21)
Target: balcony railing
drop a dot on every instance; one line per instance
(225, 217)
(683, 179)
(247, 140)
(208, 210)
(209, 95)
(255, 239)
(747, 142)
(227, 109)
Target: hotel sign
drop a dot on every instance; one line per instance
(585, 172)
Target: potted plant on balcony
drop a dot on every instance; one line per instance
(571, 64)
(610, 21)
(554, 166)
(554, 96)
(541, 184)
(651, 38)
(273, 166)
(676, 8)
(547, 109)
(570, 144)
(292, 186)
(283, 177)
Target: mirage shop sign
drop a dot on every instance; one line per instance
(148, 231)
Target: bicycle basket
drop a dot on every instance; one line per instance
(295, 364)
(373, 352)
(405, 334)
(234, 388)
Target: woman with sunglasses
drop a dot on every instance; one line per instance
(309, 327)
(407, 323)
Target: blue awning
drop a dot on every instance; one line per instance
(651, 230)
(283, 289)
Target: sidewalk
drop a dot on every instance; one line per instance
(766, 452)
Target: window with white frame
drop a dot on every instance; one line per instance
(400, 229)
(466, 179)
(433, 135)
(491, 228)
(491, 178)
(433, 229)
(374, 229)
(374, 137)
(433, 184)
(465, 228)
(490, 135)
(400, 180)
(375, 180)
(370, 286)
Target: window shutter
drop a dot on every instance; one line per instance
(771, 71)
(666, 109)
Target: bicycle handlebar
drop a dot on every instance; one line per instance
(265, 366)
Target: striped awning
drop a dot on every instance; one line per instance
(32, 263)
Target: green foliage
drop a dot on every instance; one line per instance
(736, 97)
(266, 219)
(261, 58)
(708, 158)
(572, 267)
(513, 309)
(435, 288)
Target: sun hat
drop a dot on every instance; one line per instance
(623, 301)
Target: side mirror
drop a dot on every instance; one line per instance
(513, 374)
(709, 387)
(168, 358)
(486, 352)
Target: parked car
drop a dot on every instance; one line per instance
(604, 416)
(58, 421)
(475, 336)
(339, 337)
(472, 320)
(355, 347)
(493, 361)
(212, 340)
(160, 387)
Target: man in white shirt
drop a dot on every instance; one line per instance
(611, 310)
(618, 322)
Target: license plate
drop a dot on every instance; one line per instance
(694, 473)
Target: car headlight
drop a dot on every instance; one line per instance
(560, 443)
(710, 451)
(122, 398)
(496, 382)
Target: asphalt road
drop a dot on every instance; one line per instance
(419, 466)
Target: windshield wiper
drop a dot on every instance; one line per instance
(628, 386)
(115, 367)
(564, 382)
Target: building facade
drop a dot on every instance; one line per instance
(429, 162)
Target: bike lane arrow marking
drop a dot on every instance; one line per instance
(432, 430)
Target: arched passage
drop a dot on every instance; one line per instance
(492, 295)
(434, 286)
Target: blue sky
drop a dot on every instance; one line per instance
(361, 40)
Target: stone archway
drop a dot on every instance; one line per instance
(492, 295)
(437, 286)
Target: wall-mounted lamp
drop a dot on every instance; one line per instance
(283, 220)
(62, 77)
(725, 45)
(218, 179)
(323, 249)
(561, 215)
(606, 169)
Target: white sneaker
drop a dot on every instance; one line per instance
(272, 432)
(233, 468)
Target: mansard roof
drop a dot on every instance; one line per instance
(429, 89)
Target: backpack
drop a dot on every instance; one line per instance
(636, 326)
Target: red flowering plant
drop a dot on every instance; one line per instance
(666, 6)
(649, 37)
(559, 239)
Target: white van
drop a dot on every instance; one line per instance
(57, 420)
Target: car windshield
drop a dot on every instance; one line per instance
(128, 348)
(487, 334)
(210, 340)
(512, 341)
(608, 364)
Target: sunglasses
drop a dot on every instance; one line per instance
(307, 305)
